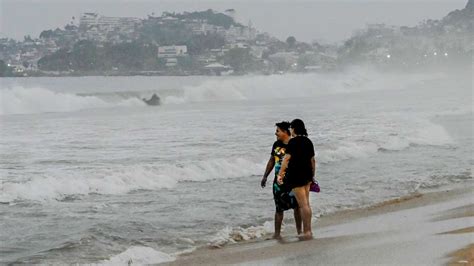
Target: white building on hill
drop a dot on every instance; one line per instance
(172, 51)
(107, 24)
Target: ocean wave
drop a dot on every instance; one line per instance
(291, 86)
(19, 100)
(65, 185)
(71, 184)
(138, 255)
(237, 234)
(406, 133)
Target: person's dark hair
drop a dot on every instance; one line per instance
(298, 126)
(284, 125)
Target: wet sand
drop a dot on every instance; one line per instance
(422, 229)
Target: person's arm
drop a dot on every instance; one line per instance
(268, 170)
(284, 166)
(313, 167)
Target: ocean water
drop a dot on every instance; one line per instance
(90, 174)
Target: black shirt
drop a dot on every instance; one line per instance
(300, 170)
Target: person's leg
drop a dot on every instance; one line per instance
(307, 192)
(303, 203)
(298, 221)
(278, 222)
(310, 216)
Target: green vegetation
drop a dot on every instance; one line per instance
(291, 41)
(140, 54)
(5, 71)
(241, 61)
(217, 19)
(87, 56)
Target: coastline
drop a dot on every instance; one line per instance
(421, 229)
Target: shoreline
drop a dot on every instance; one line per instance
(377, 234)
(191, 73)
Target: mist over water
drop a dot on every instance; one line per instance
(41, 95)
(89, 173)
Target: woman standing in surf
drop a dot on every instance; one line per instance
(298, 169)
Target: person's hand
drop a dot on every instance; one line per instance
(263, 182)
(280, 180)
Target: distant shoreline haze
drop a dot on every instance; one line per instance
(340, 18)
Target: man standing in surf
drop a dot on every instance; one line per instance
(282, 195)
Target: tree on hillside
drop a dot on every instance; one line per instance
(198, 44)
(4, 69)
(238, 59)
(56, 61)
(84, 55)
(291, 41)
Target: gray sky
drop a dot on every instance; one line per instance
(327, 21)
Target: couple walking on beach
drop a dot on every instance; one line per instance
(292, 156)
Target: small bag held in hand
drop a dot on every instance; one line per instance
(314, 187)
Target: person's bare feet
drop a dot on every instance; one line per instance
(305, 236)
(277, 237)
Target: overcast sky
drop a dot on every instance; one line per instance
(325, 21)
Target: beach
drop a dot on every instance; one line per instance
(435, 228)
(90, 174)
